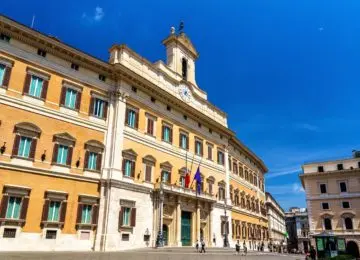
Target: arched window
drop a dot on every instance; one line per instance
(348, 223)
(327, 224)
(184, 68)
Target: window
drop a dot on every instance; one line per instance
(13, 208)
(182, 181)
(70, 98)
(125, 237)
(184, 68)
(24, 146)
(2, 73)
(241, 171)
(343, 187)
(345, 205)
(74, 66)
(165, 176)
(127, 214)
(153, 100)
(235, 168)
(131, 119)
(184, 141)
(210, 152)
(129, 168)
(210, 187)
(41, 52)
(168, 108)
(348, 223)
(102, 77)
(51, 234)
(86, 214)
(150, 126)
(323, 188)
(4, 37)
(92, 161)
(62, 154)
(220, 157)
(198, 147)
(199, 125)
(167, 133)
(229, 163)
(133, 89)
(54, 211)
(340, 167)
(320, 168)
(221, 193)
(325, 205)
(9, 233)
(36, 85)
(327, 224)
(98, 107)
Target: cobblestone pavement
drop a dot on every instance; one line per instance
(147, 255)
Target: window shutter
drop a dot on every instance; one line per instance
(150, 126)
(62, 96)
(86, 161)
(106, 105)
(148, 173)
(91, 108)
(170, 133)
(187, 142)
(123, 166)
(44, 89)
(6, 79)
(78, 100)
(79, 213)
(180, 135)
(27, 84)
(136, 120)
(33, 148)
(24, 208)
(121, 217)
(169, 177)
(201, 149)
(45, 211)
(127, 116)
(95, 214)
(133, 169)
(162, 132)
(98, 162)
(222, 228)
(69, 156)
(55, 153)
(16, 145)
(133, 217)
(4, 204)
(63, 211)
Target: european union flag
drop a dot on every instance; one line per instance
(197, 177)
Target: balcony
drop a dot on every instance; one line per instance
(185, 192)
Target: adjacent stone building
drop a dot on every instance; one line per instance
(276, 225)
(333, 199)
(94, 154)
(297, 227)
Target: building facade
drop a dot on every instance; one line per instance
(297, 227)
(94, 154)
(333, 199)
(276, 225)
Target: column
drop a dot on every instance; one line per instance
(227, 178)
(198, 221)
(178, 222)
(210, 226)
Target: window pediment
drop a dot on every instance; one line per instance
(64, 137)
(149, 159)
(211, 179)
(129, 154)
(183, 170)
(94, 143)
(28, 129)
(347, 214)
(221, 183)
(327, 215)
(166, 166)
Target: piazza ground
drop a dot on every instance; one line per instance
(148, 254)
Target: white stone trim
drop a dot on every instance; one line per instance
(69, 111)
(33, 100)
(33, 72)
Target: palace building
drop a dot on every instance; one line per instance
(94, 154)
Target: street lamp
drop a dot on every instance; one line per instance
(226, 241)
(159, 239)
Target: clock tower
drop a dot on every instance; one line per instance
(181, 55)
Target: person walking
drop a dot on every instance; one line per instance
(197, 245)
(312, 253)
(202, 246)
(237, 247)
(245, 249)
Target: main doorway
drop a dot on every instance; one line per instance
(186, 228)
(165, 235)
(352, 249)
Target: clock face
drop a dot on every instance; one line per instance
(185, 93)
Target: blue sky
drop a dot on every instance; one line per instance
(286, 72)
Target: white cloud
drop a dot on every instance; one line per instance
(285, 189)
(97, 17)
(320, 29)
(99, 14)
(284, 171)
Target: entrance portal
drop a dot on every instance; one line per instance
(165, 235)
(186, 228)
(352, 249)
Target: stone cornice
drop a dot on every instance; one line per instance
(128, 186)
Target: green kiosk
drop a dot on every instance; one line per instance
(328, 245)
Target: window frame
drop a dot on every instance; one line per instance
(8, 65)
(63, 96)
(186, 135)
(152, 118)
(222, 161)
(63, 139)
(30, 73)
(342, 204)
(346, 186)
(325, 224)
(199, 142)
(325, 203)
(320, 189)
(164, 126)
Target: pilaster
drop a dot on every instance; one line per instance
(178, 222)
(198, 221)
